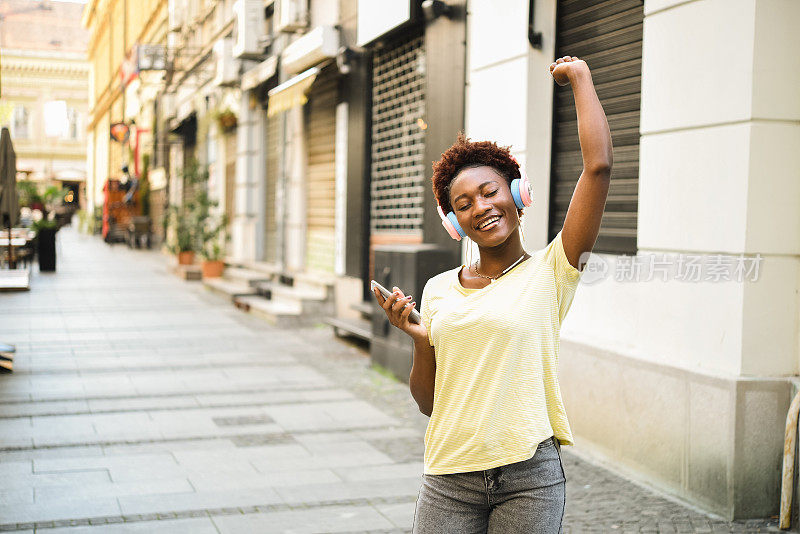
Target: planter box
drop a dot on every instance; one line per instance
(213, 269)
(185, 258)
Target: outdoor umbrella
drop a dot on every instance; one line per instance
(9, 206)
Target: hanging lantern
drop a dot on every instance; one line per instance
(120, 132)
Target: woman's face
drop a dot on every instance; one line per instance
(481, 199)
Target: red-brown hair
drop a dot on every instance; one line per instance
(464, 153)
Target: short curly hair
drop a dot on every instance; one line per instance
(465, 153)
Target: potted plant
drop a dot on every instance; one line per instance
(226, 120)
(29, 195)
(53, 198)
(212, 265)
(181, 236)
(210, 225)
(45, 241)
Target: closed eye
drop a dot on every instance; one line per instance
(489, 194)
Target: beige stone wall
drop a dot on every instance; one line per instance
(713, 441)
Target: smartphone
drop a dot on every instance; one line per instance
(414, 317)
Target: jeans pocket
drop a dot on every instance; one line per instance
(546, 444)
(557, 446)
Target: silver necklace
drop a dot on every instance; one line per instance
(475, 268)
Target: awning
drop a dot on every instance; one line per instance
(291, 93)
(260, 73)
(70, 175)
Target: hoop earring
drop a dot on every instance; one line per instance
(522, 229)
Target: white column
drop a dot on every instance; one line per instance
(340, 232)
(248, 219)
(508, 95)
(296, 184)
(719, 174)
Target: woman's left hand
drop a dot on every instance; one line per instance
(564, 68)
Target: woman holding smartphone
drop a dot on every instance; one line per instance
(485, 366)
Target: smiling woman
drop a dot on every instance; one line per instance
(485, 365)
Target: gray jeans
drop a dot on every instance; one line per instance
(527, 496)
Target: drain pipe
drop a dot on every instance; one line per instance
(787, 484)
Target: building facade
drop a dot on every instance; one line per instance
(45, 79)
(120, 93)
(202, 85)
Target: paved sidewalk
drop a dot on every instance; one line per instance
(143, 403)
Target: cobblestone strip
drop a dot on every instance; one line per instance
(206, 512)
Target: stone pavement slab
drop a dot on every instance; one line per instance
(144, 403)
(198, 500)
(12, 497)
(167, 526)
(42, 512)
(328, 519)
(78, 492)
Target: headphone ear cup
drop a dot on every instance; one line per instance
(521, 190)
(525, 188)
(515, 192)
(450, 224)
(454, 221)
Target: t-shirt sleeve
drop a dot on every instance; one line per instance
(426, 310)
(566, 275)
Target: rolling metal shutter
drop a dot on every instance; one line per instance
(271, 242)
(230, 178)
(398, 139)
(321, 194)
(608, 36)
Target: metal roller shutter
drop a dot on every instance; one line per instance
(398, 139)
(321, 195)
(608, 36)
(230, 178)
(271, 243)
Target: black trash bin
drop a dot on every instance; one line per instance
(408, 267)
(46, 249)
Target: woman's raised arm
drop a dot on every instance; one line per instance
(585, 213)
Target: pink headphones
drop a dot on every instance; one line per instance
(520, 190)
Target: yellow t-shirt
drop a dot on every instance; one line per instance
(496, 394)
